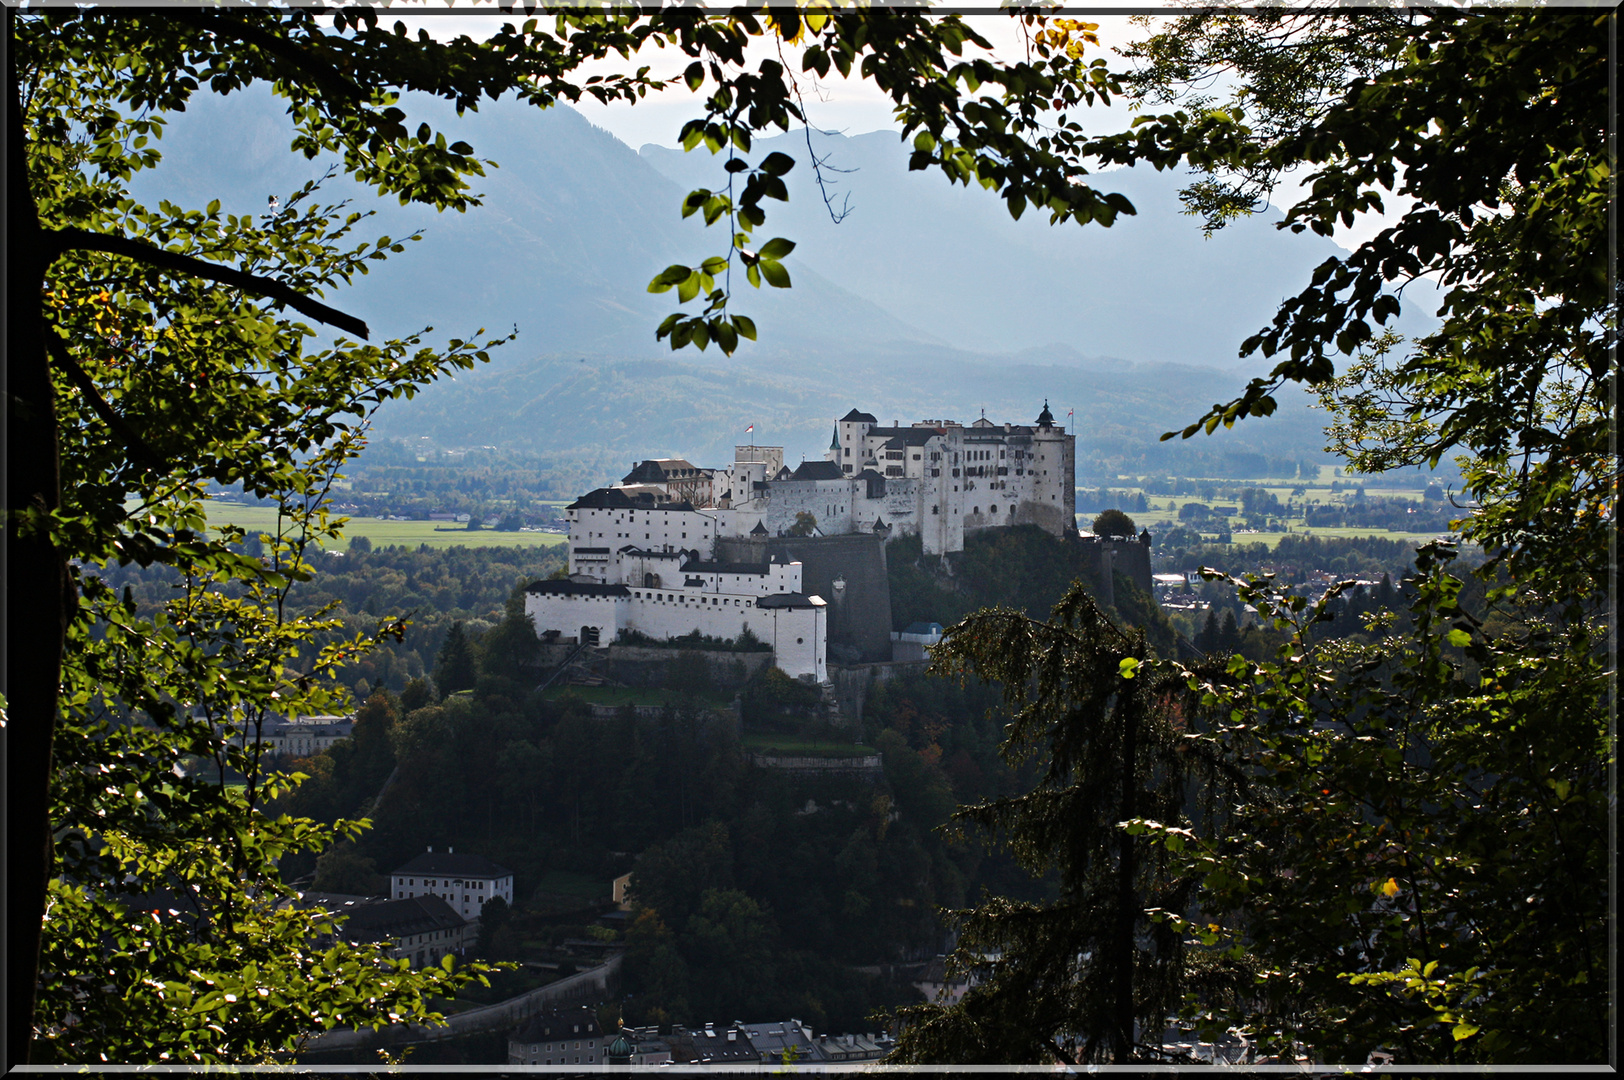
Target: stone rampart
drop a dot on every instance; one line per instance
(583, 988)
(869, 766)
(859, 614)
(852, 682)
(1128, 557)
(641, 665)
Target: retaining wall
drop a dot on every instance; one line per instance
(583, 988)
(853, 681)
(869, 767)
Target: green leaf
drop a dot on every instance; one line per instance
(775, 274)
(776, 248)
(777, 163)
(670, 276)
(688, 288)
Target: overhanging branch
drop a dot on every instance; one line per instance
(61, 240)
(323, 74)
(133, 442)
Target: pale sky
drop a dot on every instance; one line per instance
(849, 106)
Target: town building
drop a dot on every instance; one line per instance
(419, 929)
(913, 640)
(466, 882)
(712, 1046)
(558, 1037)
(298, 736)
(677, 479)
(638, 1046)
(782, 1042)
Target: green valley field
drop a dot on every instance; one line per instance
(384, 533)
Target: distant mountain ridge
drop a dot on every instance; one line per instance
(927, 301)
(1149, 288)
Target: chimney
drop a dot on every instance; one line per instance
(732, 1034)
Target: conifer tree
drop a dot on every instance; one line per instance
(1092, 976)
(454, 667)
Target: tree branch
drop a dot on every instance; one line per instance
(61, 240)
(133, 442)
(324, 75)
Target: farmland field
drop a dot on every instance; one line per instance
(383, 533)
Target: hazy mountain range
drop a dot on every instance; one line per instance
(927, 300)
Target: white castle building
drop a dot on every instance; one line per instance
(642, 554)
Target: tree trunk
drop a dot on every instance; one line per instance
(39, 593)
(1127, 897)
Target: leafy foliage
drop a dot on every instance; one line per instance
(1369, 869)
(1412, 857)
(1114, 523)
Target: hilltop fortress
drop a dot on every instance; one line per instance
(757, 546)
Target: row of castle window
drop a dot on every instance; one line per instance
(628, 536)
(715, 601)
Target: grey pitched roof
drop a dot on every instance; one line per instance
(714, 1046)
(789, 600)
(397, 918)
(855, 417)
(451, 864)
(698, 567)
(817, 470)
(649, 553)
(559, 1024)
(661, 470)
(759, 530)
(616, 499)
(910, 436)
(575, 588)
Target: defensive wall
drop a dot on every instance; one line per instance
(1128, 556)
(587, 987)
(869, 767)
(852, 682)
(859, 614)
(641, 665)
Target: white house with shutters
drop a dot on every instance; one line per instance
(466, 882)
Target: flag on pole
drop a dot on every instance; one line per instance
(749, 429)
